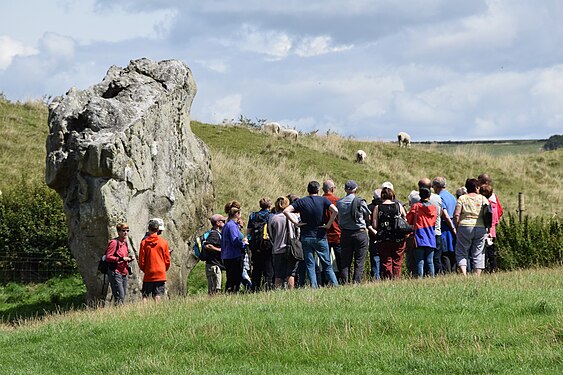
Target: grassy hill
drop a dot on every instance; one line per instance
(23, 131)
(503, 323)
(248, 164)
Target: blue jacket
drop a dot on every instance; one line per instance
(232, 246)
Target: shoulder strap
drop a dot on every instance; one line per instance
(354, 207)
(287, 228)
(116, 246)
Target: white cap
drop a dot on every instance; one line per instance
(387, 185)
(414, 197)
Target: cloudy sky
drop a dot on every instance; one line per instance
(438, 69)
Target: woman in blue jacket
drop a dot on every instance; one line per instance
(233, 247)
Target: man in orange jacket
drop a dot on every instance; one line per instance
(154, 261)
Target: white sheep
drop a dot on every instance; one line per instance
(404, 139)
(361, 156)
(272, 127)
(289, 133)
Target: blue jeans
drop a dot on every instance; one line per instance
(312, 245)
(424, 254)
(118, 283)
(374, 261)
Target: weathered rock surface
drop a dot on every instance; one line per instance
(123, 150)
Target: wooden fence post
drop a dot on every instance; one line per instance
(520, 206)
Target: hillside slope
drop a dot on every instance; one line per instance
(23, 131)
(248, 164)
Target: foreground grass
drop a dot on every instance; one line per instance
(502, 323)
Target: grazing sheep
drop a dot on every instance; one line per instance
(272, 127)
(289, 133)
(404, 139)
(361, 156)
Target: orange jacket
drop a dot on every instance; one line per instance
(154, 258)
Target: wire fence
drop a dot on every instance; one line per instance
(34, 269)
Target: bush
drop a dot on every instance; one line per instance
(536, 242)
(33, 241)
(553, 143)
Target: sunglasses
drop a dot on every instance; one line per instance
(124, 230)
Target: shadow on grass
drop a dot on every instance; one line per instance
(25, 311)
(20, 302)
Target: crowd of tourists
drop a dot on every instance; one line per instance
(335, 236)
(322, 240)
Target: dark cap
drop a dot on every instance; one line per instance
(424, 193)
(350, 185)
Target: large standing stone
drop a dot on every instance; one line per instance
(123, 150)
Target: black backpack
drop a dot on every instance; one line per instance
(386, 222)
(104, 266)
(259, 239)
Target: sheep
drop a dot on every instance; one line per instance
(360, 156)
(404, 139)
(289, 133)
(272, 127)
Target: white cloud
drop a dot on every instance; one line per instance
(493, 29)
(227, 107)
(314, 46)
(271, 43)
(218, 66)
(10, 48)
(57, 45)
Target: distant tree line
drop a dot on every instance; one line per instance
(553, 143)
(484, 142)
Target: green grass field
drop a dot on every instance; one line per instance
(503, 324)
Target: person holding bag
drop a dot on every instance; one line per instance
(118, 258)
(390, 243)
(281, 232)
(423, 217)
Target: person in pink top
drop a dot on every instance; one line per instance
(118, 258)
(490, 251)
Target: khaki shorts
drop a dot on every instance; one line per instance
(213, 274)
